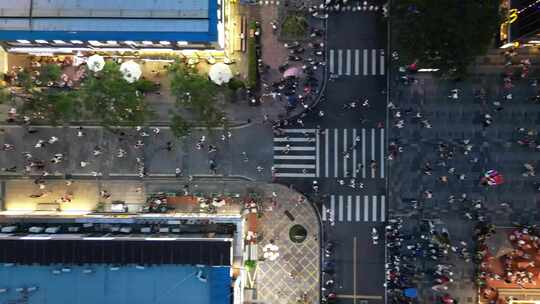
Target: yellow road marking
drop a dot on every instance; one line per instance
(354, 297)
(354, 272)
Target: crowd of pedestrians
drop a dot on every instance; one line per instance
(419, 257)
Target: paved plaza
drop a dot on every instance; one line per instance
(296, 272)
(476, 149)
(154, 154)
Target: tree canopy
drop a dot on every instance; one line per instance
(444, 34)
(107, 96)
(198, 94)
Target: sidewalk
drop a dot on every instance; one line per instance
(296, 272)
(239, 111)
(274, 54)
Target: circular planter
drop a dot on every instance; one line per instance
(297, 234)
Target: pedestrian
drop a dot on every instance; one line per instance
(53, 139)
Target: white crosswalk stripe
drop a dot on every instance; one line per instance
(350, 152)
(330, 153)
(349, 62)
(296, 153)
(365, 208)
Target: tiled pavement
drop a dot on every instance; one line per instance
(296, 271)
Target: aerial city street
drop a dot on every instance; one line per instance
(269, 151)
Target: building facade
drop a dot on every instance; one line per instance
(522, 26)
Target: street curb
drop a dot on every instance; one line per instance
(161, 125)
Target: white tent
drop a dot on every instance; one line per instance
(95, 63)
(131, 71)
(220, 73)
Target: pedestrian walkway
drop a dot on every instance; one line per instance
(330, 153)
(296, 153)
(357, 62)
(357, 153)
(354, 208)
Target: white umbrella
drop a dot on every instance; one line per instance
(131, 71)
(220, 73)
(95, 63)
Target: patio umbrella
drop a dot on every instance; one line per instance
(292, 72)
(95, 63)
(131, 71)
(220, 73)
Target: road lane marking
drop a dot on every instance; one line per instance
(357, 210)
(382, 153)
(294, 156)
(354, 271)
(365, 62)
(293, 148)
(354, 297)
(340, 62)
(383, 208)
(348, 69)
(295, 166)
(340, 214)
(326, 152)
(294, 174)
(382, 62)
(345, 151)
(349, 208)
(356, 62)
(336, 152)
(324, 211)
(355, 164)
(332, 208)
(373, 170)
(366, 208)
(331, 65)
(294, 139)
(373, 62)
(374, 211)
(317, 154)
(299, 130)
(364, 153)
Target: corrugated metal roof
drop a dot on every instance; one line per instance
(106, 8)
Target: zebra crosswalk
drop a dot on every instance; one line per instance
(330, 153)
(354, 208)
(296, 153)
(356, 62)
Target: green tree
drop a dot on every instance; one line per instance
(294, 27)
(179, 126)
(195, 92)
(107, 96)
(49, 72)
(444, 34)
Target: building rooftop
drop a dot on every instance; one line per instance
(177, 20)
(115, 251)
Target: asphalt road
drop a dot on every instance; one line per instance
(346, 138)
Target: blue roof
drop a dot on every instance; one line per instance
(152, 285)
(176, 20)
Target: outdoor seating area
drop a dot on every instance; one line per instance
(510, 266)
(212, 203)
